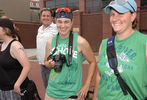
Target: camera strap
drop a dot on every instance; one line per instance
(70, 48)
(113, 63)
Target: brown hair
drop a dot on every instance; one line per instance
(47, 9)
(134, 23)
(8, 32)
(13, 35)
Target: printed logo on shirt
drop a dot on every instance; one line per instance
(53, 75)
(63, 49)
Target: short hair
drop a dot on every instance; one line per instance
(47, 9)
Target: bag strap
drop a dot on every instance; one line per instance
(113, 63)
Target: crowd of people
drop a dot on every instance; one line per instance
(122, 59)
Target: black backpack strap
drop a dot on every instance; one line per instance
(112, 59)
(113, 63)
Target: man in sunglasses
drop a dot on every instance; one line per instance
(47, 30)
(66, 83)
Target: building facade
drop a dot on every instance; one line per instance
(89, 5)
(34, 10)
(90, 20)
(15, 9)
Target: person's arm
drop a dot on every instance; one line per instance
(97, 79)
(17, 52)
(96, 86)
(146, 52)
(84, 48)
(48, 63)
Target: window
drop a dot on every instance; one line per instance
(105, 3)
(143, 4)
(72, 4)
(95, 6)
(50, 4)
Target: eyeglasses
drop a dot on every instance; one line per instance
(121, 3)
(63, 9)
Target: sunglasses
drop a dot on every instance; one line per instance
(121, 3)
(63, 9)
(46, 9)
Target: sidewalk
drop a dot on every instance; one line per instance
(31, 53)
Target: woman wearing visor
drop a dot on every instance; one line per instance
(131, 52)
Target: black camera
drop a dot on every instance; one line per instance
(59, 59)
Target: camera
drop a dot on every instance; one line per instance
(59, 59)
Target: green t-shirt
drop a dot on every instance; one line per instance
(69, 81)
(132, 66)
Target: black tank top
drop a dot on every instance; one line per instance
(10, 69)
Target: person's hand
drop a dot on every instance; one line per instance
(83, 92)
(51, 63)
(94, 98)
(17, 88)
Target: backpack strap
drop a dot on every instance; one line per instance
(113, 63)
(112, 59)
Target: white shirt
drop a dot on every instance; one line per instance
(42, 37)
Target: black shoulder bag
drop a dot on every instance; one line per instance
(112, 59)
(30, 92)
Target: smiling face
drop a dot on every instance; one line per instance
(64, 26)
(46, 18)
(121, 23)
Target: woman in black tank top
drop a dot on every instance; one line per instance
(14, 64)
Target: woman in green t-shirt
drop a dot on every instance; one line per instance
(131, 53)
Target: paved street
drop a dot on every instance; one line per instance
(35, 75)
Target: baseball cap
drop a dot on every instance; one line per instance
(8, 24)
(121, 6)
(63, 13)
